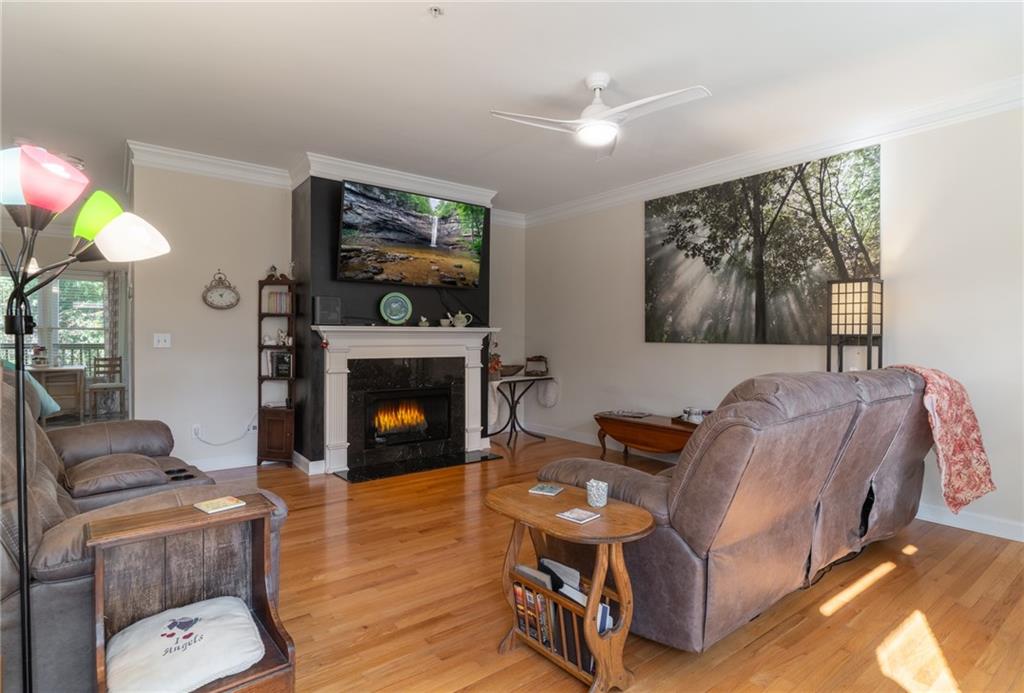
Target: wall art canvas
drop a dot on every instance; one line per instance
(746, 262)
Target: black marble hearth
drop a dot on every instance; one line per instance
(382, 471)
(372, 380)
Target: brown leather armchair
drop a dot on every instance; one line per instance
(790, 473)
(61, 563)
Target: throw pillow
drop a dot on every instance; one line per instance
(185, 648)
(47, 405)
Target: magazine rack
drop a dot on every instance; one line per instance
(595, 658)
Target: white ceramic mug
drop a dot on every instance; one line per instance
(597, 493)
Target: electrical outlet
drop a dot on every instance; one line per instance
(252, 427)
(161, 340)
(196, 431)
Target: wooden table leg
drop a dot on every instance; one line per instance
(607, 647)
(600, 436)
(515, 542)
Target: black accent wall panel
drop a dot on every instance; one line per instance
(316, 225)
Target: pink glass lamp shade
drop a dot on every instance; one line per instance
(35, 185)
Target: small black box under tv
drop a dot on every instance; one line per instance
(326, 310)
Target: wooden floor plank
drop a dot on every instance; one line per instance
(394, 585)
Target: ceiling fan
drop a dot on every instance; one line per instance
(599, 124)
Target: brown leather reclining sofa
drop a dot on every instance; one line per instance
(791, 473)
(76, 476)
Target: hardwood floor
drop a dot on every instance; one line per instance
(395, 585)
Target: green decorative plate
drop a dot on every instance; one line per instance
(396, 308)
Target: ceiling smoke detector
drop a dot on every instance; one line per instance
(436, 11)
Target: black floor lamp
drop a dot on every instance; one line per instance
(36, 186)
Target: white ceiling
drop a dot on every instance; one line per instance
(388, 85)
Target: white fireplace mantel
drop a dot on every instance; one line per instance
(344, 342)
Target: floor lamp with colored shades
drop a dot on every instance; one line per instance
(36, 186)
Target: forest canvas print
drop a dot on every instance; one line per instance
(747, 261)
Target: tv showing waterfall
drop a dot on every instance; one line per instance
(394, 237)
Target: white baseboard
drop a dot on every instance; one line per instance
(309, 468)
(971, 521)
(215, 464)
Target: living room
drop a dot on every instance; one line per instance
(303, 301)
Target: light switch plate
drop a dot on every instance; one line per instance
(161, 340)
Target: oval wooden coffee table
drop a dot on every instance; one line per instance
(619, 523)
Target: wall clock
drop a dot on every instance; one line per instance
(220, 293)
(396, 308)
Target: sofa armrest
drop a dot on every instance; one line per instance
(624, 483)
(80, 443)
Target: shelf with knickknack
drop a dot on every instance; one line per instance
(276, 368)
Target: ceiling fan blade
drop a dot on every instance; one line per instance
(641, 107)
(539, 122)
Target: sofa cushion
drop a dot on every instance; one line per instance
(62, 552)
(113, 473)
(80, 443)
(177, 473)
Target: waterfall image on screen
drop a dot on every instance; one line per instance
(394, 237)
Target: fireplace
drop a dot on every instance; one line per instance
(405, 411)
(401, 417)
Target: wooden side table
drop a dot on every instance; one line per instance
(152, 561)
(650, 433)
(619, 523)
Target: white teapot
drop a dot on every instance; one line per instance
(460, 319)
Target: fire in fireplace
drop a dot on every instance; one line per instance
(402, 417)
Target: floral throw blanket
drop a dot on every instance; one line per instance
(963, 463)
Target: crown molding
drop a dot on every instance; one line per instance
(512, 220)
(329, 167)
(987, 99)
(168, 159)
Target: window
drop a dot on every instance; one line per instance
(71, 320)
(7, 340)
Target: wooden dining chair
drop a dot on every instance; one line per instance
(107, 377)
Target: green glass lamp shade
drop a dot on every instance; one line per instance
(98, 211)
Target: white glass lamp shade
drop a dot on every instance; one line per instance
(130, 238)
(597, 133)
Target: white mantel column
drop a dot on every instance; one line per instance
(336, 409)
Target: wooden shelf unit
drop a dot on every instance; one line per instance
(276, 427)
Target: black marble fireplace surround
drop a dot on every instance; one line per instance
(373, 380)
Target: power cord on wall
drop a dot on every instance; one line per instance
(249, 428)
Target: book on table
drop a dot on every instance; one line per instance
(546, 490)
(578, 515)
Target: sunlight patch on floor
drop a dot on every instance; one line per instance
(910, 655)
(850, 593)
(909, 550)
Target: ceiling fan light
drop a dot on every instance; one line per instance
(130, 238)
(597, 133)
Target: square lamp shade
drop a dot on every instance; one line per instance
(854, 318)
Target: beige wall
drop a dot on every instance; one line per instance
(951, 257)
(508, 291)
(208, 376)
(951, 244)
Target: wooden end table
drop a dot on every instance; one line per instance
(651, 433)
(619, 523)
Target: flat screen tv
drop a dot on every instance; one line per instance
(395, 237)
